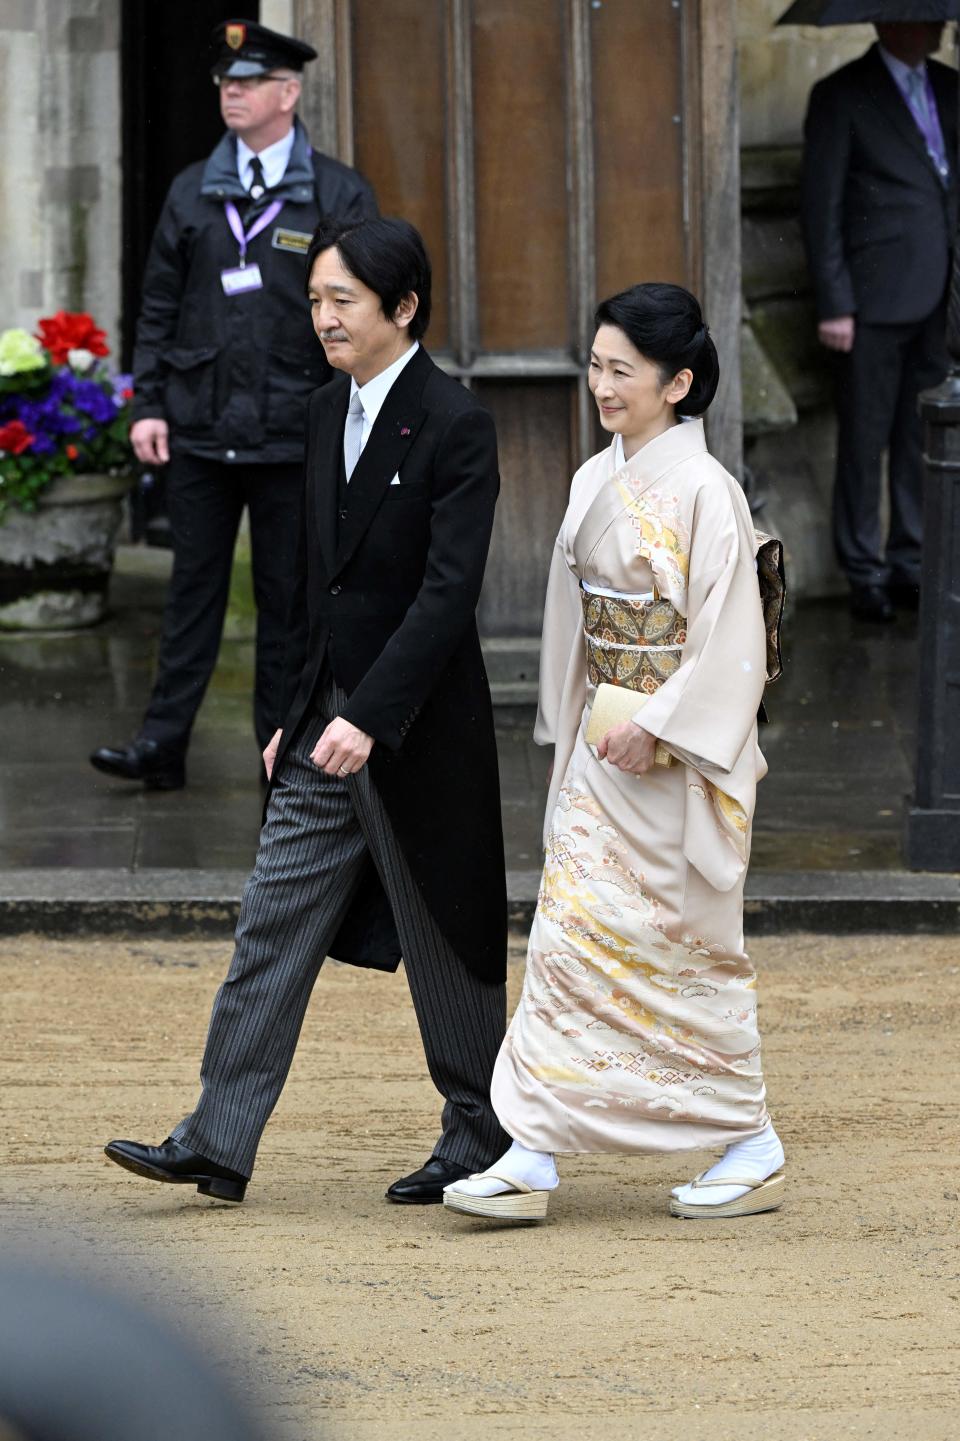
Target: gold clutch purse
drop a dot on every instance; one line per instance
(614, 704)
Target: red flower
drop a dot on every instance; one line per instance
(15, 438)
(72, 452)
(65, 331)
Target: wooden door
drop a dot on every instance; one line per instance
(545, 150)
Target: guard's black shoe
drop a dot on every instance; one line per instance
(175, 1163)
(905, 594)
(871, 602)
(159, 769)
(425, 1187)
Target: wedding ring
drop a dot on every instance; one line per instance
(343, 772)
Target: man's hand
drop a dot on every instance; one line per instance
(342, 749)
(151, 441)
(270, 754)
(628, 747)
(837, 334)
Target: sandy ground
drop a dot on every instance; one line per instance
(352, 1318)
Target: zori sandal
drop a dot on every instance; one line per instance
(522, 1203)
(762, 1196)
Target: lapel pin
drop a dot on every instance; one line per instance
(404, 430)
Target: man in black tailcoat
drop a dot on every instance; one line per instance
(382, 833)
(224, 362)
(879, 210)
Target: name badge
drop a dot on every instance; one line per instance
(296, 240)
(241, 278)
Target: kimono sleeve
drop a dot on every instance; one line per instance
(562, 627)
(707, 709)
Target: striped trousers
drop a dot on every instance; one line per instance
(313, 848)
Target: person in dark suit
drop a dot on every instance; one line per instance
(382, 831)
(879, 208)
(224, 362)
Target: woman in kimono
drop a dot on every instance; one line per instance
(637, 1026)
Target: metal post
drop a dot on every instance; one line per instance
(933, 821)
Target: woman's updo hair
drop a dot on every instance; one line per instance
(665, 323)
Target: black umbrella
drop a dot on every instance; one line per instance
(866, 12)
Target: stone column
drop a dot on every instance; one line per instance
(60, 163)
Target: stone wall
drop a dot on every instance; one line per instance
(60, 173)
(789, 429)
(779, 65)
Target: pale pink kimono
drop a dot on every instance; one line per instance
(637, 1026)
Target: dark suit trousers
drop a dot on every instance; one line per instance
(877, 389)
(313, 848)
(205, 502)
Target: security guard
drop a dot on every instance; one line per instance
(225, 358)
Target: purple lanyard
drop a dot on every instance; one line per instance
(236, 225)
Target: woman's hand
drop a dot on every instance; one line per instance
(628, 747)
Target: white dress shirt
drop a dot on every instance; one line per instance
(374, 393)
(274, 160)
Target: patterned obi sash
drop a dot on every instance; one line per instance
(634, 641)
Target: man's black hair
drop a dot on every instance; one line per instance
(387, 256)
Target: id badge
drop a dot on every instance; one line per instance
(240, 278)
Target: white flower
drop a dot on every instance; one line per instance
(81, 360)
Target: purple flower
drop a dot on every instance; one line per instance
(94, 402)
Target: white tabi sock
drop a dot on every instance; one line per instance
(535, 1168)
(755, 1158)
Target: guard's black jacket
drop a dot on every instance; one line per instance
(231, 374)
(878, 222)
(386, 595)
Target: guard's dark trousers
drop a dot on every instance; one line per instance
(313, 848)
(205, 501)
(877, 390)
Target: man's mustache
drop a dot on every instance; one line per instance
(332, 335)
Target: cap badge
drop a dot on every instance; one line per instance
(235, 36)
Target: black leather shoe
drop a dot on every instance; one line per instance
(175, 1163)
(425, 1187)
(871, 602)
(160, 769)
(905, 594)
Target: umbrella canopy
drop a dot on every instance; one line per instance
(860, 12)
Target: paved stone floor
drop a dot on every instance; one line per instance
(839, 747)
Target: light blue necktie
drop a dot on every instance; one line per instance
(353, 434)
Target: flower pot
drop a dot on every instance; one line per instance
(55, 562)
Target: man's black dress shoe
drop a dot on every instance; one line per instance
(425, 1187)
(175, 1163)
(871, 602)
(159, 768)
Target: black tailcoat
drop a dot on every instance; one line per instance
(386, 592)
(877, 220)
